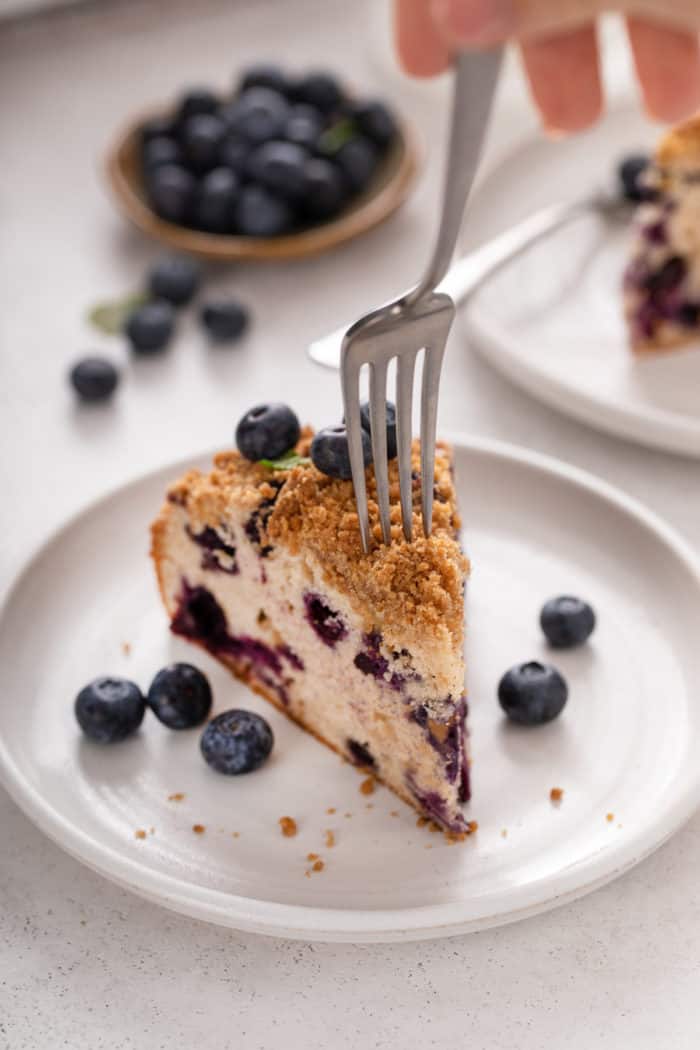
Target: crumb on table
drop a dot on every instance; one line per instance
(422, 822)
(330, 838)
(235, 834)
(140, 833)
(312, 856)
(198, 829)
(318, 865)
(330, 810)
(472, 826)
(394, 813)
(177, 796)
(367, 786)
(288, 826)
(609, 817)
(504, 833)
(556, 794)
(126, 648)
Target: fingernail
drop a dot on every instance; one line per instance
(474, 21)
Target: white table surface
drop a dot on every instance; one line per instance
(82, 963)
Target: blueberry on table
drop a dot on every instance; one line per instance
(175, 278)
(94, 378)
(304, 125)
(376, 121)
(109, 709)
(280, 168)
(236, 742)
(357, 160)
(325, 189)
(234, 153)
(265, 75)
(224, 320)
(159, 151)
(321, 90)
(214, 202)
(567, 621)
(201, 138)
(331, 455)
(390, 425)
(532, 693)
(259, 213)
(150, 326)
(631, 172)
(196, 101)
(267, 431)
(180, 696)
(259, 114)
(170, 190)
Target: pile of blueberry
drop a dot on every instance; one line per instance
(149, 325)
(534, 693)
(111, 709)
(281, 153)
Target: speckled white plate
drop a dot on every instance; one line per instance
(626, 744)
(551, 321)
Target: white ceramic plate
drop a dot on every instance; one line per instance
(552, 319)
(626, 744)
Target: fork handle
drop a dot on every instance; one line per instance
(475, 78)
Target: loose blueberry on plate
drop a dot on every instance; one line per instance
(109, 709)
(201, 138)
(259, 213)
(258, 115)
(171, 190)
(280, 168)
(180, 696)
(159, 151)
(390, 425)
(357, 159)
(567, 621)
(150, 326)
(304, 125)
(196, 101)
(94, 378)
(267, 431)
(331, 455)
(224, 320)
(375, 121)
(175, 278)
(265, 75)
(321, 90)
(214, 202)
(532, 693)
(325, 189)
(631, 172)
(236, 742)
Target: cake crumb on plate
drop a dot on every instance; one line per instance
(556, 794)
(126, 648)
(330, 838)
(318, 865)
(139, 833)
(312, 856)
(198, 829)
(288, 826)
(367, 786)
(330, 810)
(177, 796)
(609, 817)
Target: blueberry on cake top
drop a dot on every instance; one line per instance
(662, 280)
(264, 568)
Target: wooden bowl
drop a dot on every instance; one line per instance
(388, 189)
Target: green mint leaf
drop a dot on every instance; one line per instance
(337, 135)
(110, 317)
(285, 462)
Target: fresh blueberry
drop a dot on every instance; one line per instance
(224, 319)
(234, 153)
(175, 278)
(109, 709)
(202, 136)
(236, 742)
(375, 121)
(357, 159)
(280, 168)
(689, 314)
(304, 125)
(325, 189)
(259, 114)
(390, 425)
(567, 621)
(330, 453)
(180, 696)
(94, 378)
(150, 326)
(631, 172)
(321, 90)
(532, 693)
(158, 127)
(195, 102)
(667, 277)
(171, 190)
(159, 151)
(214, 202)
(267, 431)
(265, 75)
(258, 213)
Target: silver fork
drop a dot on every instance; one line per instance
(418, 320)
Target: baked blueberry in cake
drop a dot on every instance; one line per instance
(662, 279)
(260, 562)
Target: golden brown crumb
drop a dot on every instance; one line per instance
(367, 786)
(609, 817)
(680, 146)
(433, 827)
(198, 829)
(318, 865)
(235, 834)
(312, 856)
(288, 826)
(330, 839)
(556, 794)
(347, 815)
(330, 810)
(140, 834)
(308, 874)
(126, 648)
(394, 813)
(176, 797)
(504, 833)
(453, 837)
(369, 805)
(472, 826)
(422, 822)
(428, 845)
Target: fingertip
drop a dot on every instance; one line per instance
(668, 66)
(564, 75)
(421, 50)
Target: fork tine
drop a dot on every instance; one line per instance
(350, 384)
(432, 366)
(377, 416)
(405, 368)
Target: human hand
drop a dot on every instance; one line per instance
(557, 39)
